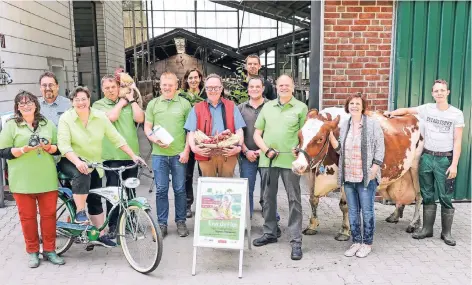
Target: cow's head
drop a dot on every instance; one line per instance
(314, 140)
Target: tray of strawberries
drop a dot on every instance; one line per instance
(217, 142)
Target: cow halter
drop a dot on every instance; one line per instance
(311, 161)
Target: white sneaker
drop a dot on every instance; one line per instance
(352, 250)
(364, 250)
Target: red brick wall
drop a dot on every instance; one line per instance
(357, 50)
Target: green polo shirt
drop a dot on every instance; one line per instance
(35, 171)
(124, 125)
(171, 115)
(280, 125)
(86, 142)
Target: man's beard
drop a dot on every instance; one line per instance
(49, 95)
(253, 72)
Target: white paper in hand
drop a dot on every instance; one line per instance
(163, 135)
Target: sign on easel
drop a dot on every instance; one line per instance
(222, 216)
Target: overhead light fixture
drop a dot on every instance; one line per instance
(180, 45)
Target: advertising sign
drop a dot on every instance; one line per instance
(221, 215)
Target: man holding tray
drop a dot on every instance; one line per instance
(213, 116)
(167, 115)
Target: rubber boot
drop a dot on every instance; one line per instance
(33, 260)
(53, 258)
(429, 215)
(447, 216)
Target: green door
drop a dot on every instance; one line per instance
(433, 41)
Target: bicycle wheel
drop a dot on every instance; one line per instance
(64, 212)
(140, 239)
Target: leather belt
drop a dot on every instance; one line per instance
(438, 153)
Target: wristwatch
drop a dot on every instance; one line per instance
(132, 101)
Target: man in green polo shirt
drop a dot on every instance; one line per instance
(276, 135)
(170, 112)
(123, 113)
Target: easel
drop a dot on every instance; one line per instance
(245, 220)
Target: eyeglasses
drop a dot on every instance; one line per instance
(50, 85)
(23, 104)
(211, 89)
(81, 100)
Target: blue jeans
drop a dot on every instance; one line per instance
(249, 170)
(162, 166)
(361, 198)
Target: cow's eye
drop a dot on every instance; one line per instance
(320, 140)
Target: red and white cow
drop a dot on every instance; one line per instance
(403, 147)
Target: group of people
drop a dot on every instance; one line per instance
(267, 124)
(54, 128)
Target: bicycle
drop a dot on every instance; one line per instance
(131, 229)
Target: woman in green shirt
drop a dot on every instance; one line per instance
(80, 135)
(193, 90)
(28, 141)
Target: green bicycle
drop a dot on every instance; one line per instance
(138, 235)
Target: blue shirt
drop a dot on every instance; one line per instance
(217, 116)
(53, 111)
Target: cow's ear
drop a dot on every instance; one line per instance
(335, 122)
(312, 113)
(338, 117)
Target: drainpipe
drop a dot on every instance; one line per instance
(142, 41)
(148, 49)
(71, 49)
(135, 59)
(313, 101)
(95, 43)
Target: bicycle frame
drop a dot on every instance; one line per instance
(116, 195)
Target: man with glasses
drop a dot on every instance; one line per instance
(212, 116)
(123, 113)
(52, 105)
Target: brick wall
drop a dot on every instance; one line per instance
(357, 50)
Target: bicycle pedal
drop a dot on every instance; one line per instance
(89, 247)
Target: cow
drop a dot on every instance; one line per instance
(399, 181)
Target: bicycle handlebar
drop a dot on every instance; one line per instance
(120, 168)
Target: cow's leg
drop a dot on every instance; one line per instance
(345, 232)
(396, 215)
(416, 221)
(314, 223)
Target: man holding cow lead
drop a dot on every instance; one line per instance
(276, 135)
(249, 159)
(438, 164)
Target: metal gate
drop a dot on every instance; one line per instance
(433, 41)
